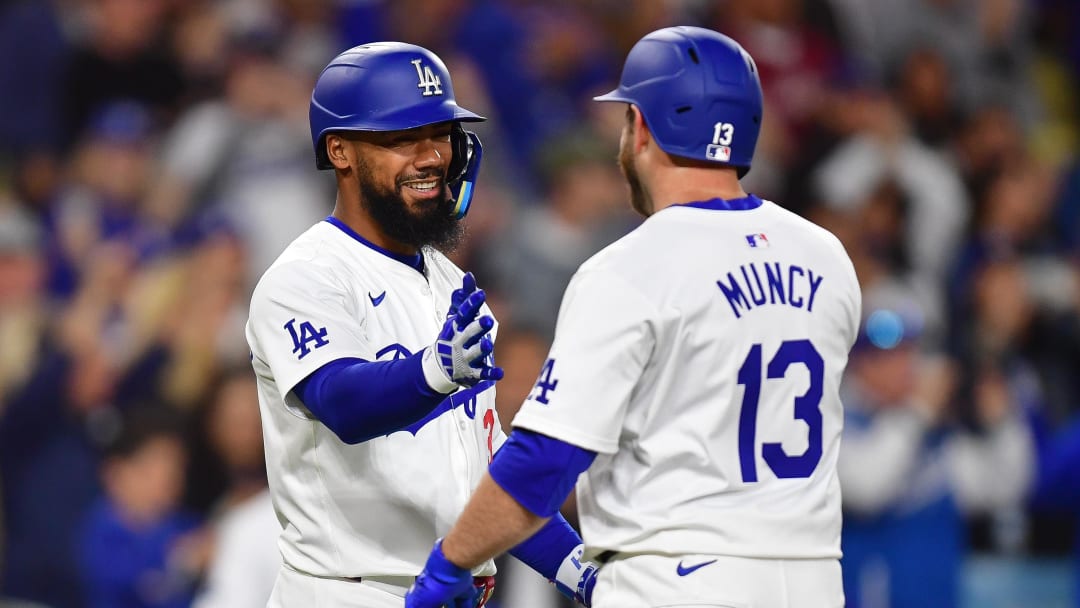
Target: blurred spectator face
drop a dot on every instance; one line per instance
(21, 277)
(888, 375)
(114, 158)
(521, 355)
(990, 139)
(127, 26)
(114, 169)
(21, 265)
(587, 192)
(37, 177)
(234, 427)
(200, 40)
(1016, 204)
(425, 22)
(880, 222)
(1003, 306)
(560, 39)
(146, 483)
(924, 90)
(259, 86)
(778, 12)
(885, 356)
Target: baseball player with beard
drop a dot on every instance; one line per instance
(694, 373)
(373, 352)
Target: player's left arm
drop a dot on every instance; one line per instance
(515, 509)
(603, 341)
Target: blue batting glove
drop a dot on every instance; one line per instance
(461, 355)
(441, 583)
(457, 297)
(583, 593)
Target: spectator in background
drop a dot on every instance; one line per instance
(104, 197)
(551, 57)
(22, 304)
(246, 157)
(533, 259)
(923, 88)
(798, 63)
(910, 470)
(521, 352)
(881, 151)
(34, 46)
(1057, 487)
(986, 43)
(123, 56)
(138, 550)
(48, 449)
(246, 558)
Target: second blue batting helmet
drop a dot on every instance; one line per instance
(699, 93)
(394, 86)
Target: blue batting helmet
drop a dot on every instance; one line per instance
(393, 86)
(699, 93)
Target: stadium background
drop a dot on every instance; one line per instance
(155, 156)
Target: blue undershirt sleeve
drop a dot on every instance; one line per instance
(359, 400)
(538, 471)
(546, 550)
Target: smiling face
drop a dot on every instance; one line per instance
(400, 181)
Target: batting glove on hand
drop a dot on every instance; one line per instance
(461, 353)
(441, 583)
(576, 578)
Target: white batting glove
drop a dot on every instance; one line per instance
(461, 353)
(576, 578)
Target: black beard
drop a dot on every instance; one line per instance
(431, 225)
(639, 198)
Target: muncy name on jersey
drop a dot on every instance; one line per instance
(770, 283)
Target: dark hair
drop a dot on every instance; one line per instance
(142, 425)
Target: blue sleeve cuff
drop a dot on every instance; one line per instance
(546, 550)
(538, 471)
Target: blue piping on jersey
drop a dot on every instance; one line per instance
(466, 397)
(414, 261)
(718, 204)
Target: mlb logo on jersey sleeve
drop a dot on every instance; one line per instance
(758, 240)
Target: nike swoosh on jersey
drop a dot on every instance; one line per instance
(375, 301)
(683, 571)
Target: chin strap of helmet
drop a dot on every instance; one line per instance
(464, 169)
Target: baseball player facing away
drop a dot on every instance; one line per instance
(373, 352)
(694, 373)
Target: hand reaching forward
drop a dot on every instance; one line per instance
(461, 353)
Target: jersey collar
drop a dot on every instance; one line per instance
(414, 261)
(718, 204)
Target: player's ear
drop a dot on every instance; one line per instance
(638, 128)
(337, 150)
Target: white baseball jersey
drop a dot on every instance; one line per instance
(700, 356)
(377, 507)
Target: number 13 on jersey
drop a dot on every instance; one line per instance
(806, 408)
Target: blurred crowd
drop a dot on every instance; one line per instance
(155, 158)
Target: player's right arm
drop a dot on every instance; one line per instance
(302, 326)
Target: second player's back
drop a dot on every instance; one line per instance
(732, 432)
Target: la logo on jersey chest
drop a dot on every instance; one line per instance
(770, 283)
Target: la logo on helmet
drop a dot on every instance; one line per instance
(428, 80)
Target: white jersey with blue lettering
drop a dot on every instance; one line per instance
(701, 356)
(374, 508)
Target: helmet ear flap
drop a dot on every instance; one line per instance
(464, 168)
(459, 144)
